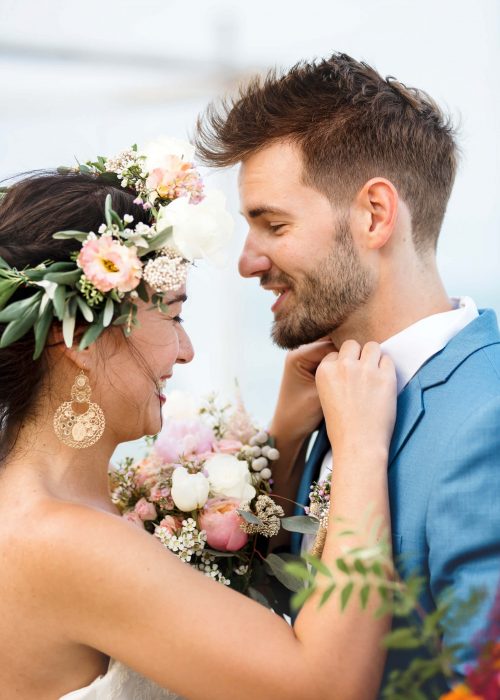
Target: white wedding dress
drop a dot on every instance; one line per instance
(121, 683)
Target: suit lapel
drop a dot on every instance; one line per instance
(409, 411)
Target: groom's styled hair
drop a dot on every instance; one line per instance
(351, 125)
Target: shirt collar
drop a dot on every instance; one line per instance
(412, 347)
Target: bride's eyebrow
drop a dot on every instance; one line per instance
(179, 299)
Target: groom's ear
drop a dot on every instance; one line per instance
(375, 208)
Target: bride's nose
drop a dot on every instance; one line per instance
(186, 351)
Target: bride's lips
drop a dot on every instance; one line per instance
(163, 380)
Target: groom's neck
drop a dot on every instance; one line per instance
(402, 298)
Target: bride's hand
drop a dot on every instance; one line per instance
(298, 411)
(357, 389)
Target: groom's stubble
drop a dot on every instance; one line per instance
(323, 300)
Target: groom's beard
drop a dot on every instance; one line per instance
(322, 301)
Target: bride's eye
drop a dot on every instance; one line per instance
(178, 319)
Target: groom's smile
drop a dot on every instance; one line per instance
(300, 246)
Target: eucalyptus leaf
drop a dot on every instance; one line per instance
(107, 210)
(65, 235)
(249, 517)
(68, 326)
(7, 290)
(109, 310)
(16, 310)
(42, 326)
(59, 301)
(92, 333)
(156, 242)
(84, 169)
(142, 292)
(87, 312)
(256, 595)
(120, 320)
(277, 567)
(304, 524)
(299, 571)
(64, 277)
(16, 329)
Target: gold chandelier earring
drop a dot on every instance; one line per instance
(79, 429)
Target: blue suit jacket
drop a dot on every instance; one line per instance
(444, 475)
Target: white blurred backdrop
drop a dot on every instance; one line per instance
(81, 79)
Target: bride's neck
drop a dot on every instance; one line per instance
(54, 469)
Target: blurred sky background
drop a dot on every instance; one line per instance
(79, 79)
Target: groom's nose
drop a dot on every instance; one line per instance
(253, 262)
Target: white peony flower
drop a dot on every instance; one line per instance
(198, 230)
(189, 491)
(229, 477)
(158, 153)
(181, 406)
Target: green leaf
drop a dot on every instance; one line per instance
(403, 638)
(87, 312)
(7, 290)
(92, 333)
(346, 594)
(318, 565)
(325, 596)
(342, 566)
(360, 567)
(16, 329)
(84, 169)
(59, 301)
(64, 277)
(42, 326)
(300, 598)
(142, 292)
(156, 242)
(120, 320)
(65, 235)
(16, 310)
(249, 517)
(299, 571)
(304, 524)
(277, 567)
(256, 595)
(107, 210)
(109, 310)
(68, 326)
(364, 595)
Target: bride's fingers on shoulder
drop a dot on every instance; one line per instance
(371, 353)
(350, 350)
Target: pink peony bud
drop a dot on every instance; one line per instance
(145, 510)
(222, 524)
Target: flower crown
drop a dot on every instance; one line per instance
(121, 262)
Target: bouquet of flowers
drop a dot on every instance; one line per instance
(203, 486)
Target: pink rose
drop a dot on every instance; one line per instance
(171, 524)
(145, 510)
(222, 524)
(148, 470)
(161, 493)
(183, 437)
(229, 447)
(132, 517)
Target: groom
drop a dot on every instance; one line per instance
(344, 183)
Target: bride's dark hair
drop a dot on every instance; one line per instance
(32, 210)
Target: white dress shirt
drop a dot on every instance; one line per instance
(410, 349)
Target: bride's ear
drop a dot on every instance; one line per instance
(82, 359)
(375, 209)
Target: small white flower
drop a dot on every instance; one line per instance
(128, 218)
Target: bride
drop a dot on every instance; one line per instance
(92, 607)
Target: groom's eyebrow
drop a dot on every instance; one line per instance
(255, 212)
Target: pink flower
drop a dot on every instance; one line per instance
(229, 447)
(222, 524)
(145, 510)
(161, 493)
(148, 471)
(133, 517)
(171, 524)
(177, 178)
(110, 265)
(183, 437)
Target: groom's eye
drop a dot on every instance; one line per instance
(276, 227)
